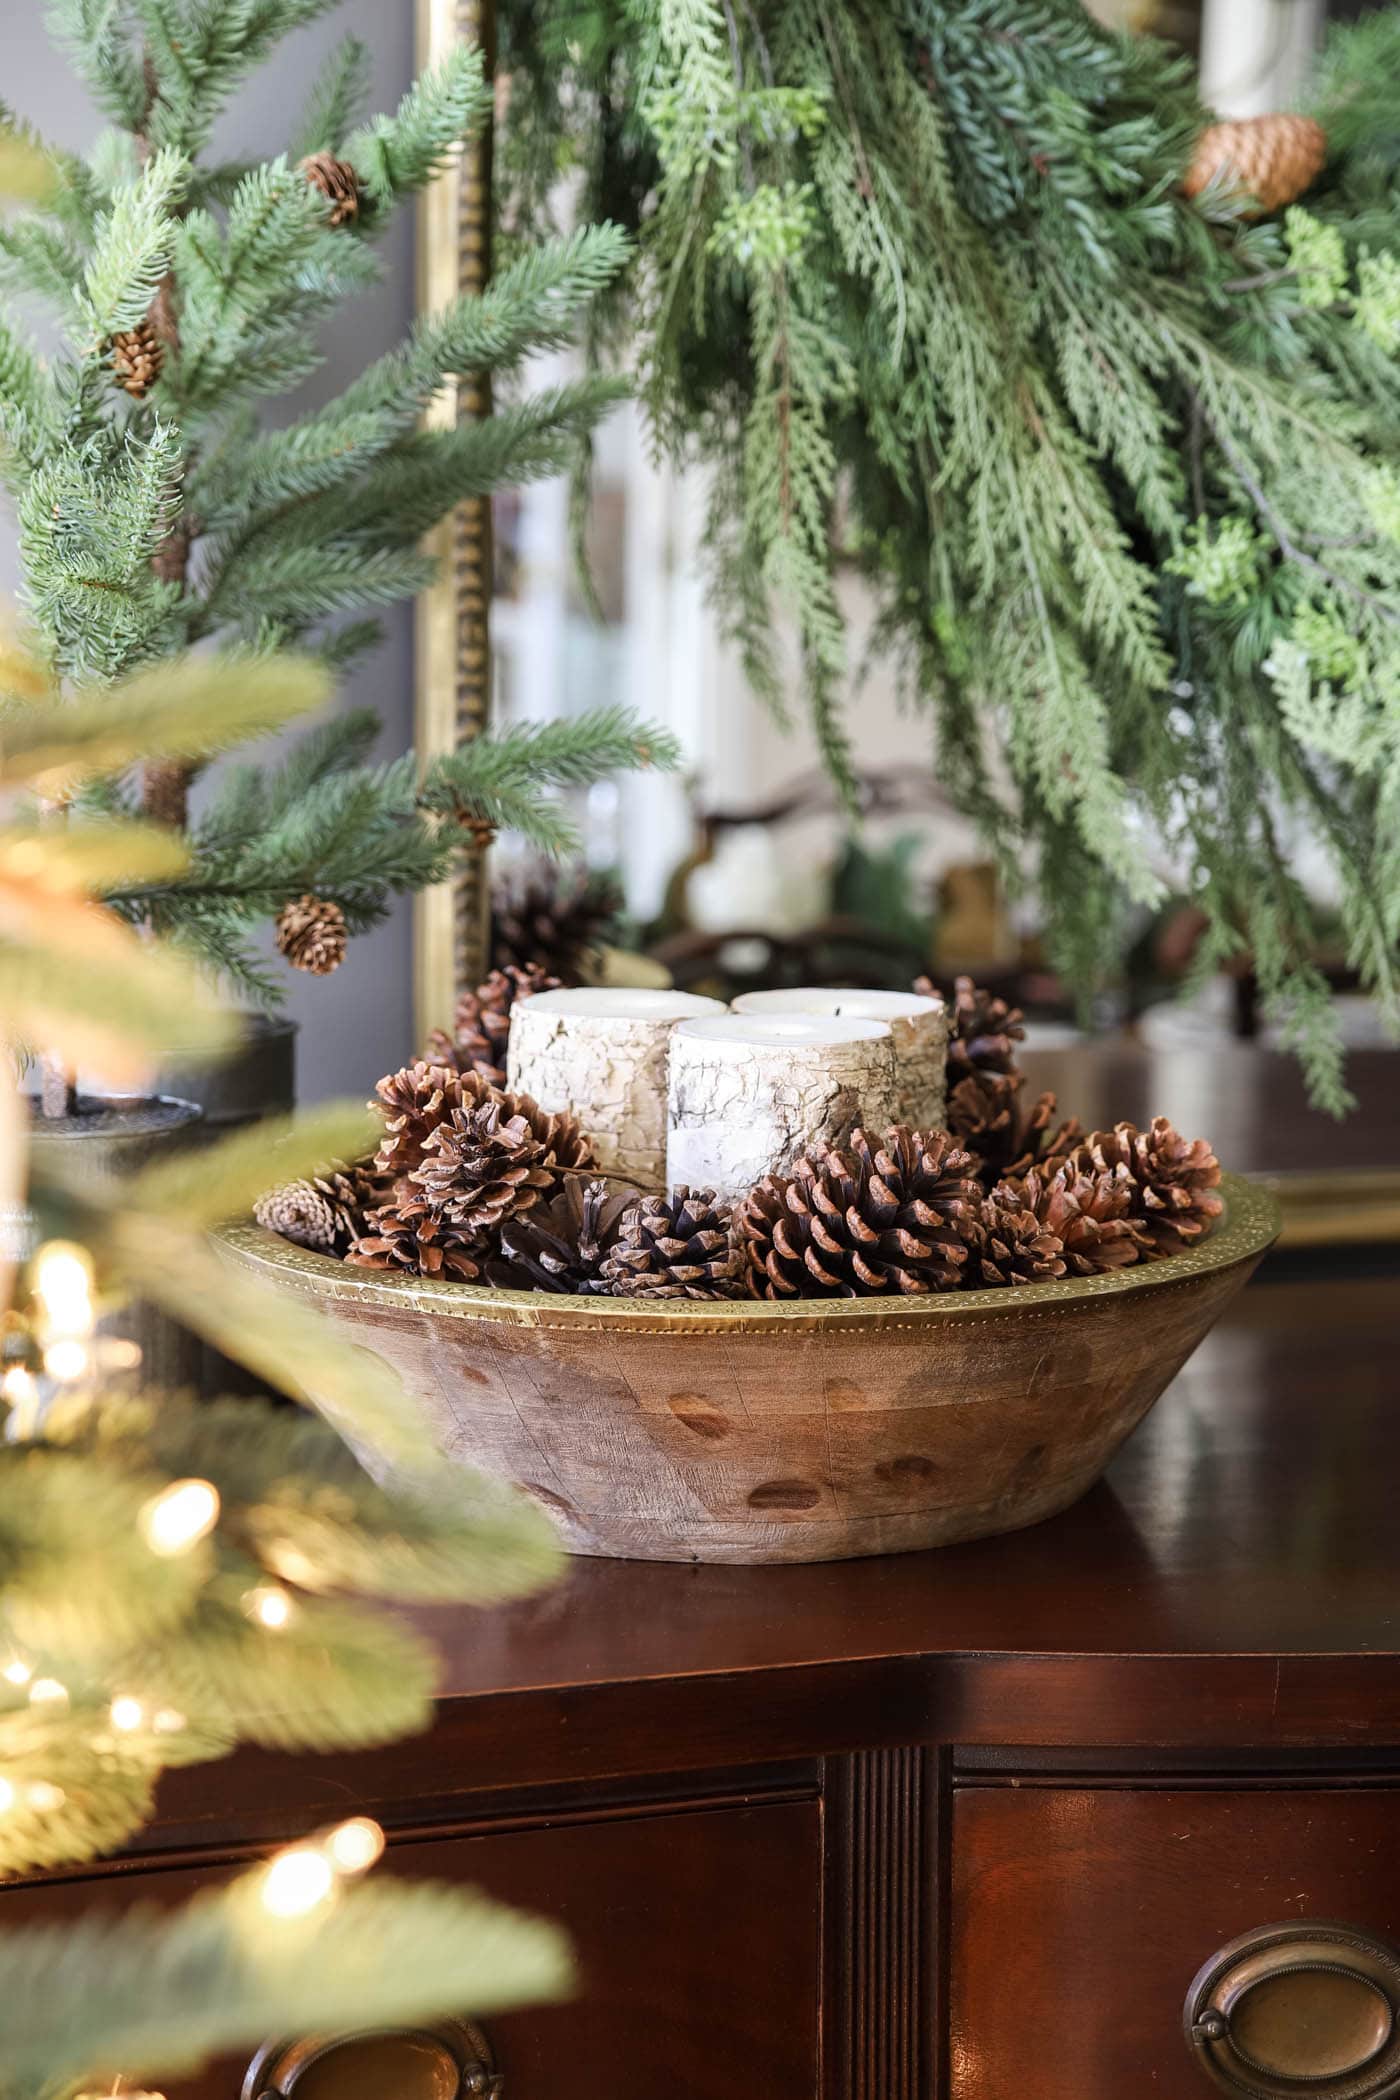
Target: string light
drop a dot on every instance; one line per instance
(270, 1606)
(21, 1390)
(354, 1847)
(47, 1691)
(17, 1671)
(43, 1797)
(127, 1714)
(169, 1722)
(63, 1287)
(180, 1516)
(67, 1361)
(297, 1881)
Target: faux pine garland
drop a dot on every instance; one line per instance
(1123, 469)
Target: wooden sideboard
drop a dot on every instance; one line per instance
(957, 1826)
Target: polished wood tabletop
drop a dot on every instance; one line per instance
(1233, 1582)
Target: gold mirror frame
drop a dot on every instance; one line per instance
(453, 627)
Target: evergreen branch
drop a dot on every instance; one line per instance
(394, 156)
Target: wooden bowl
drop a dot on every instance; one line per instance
(819, 1430)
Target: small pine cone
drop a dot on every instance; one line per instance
(337, 180)
(1274, 159)
(561, 1245)
(493, 1155)
(982, 1031)
(986, 1114)
(413, 1102)
(326, 1213)
(897, 1215)
(1014, 1246)
(311, 934)
(553, 921)
(405, 1234)
(1090, 1214)
(1174, 1180)
(676, 1246)
(137, 357)
(481, 1024)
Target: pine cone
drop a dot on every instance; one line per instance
(311, 934)
(327, 1212)
(493, 1155)
(1173, 1178)
(553, 922)
(405, 1234)
(137, 357)
(1090, 1214)
(561, 1246)
(1014, 1246)
(886, 1217)
(414, 1102)
(676, 1246)
(987, 1115)
(337, 180)
(982, 1031)
(1274, 159)
(481, 1024)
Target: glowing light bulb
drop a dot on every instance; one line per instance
(67, 1360)
(269, 1606)
(7, 1796)
(180, 1516)
(47, 1691)
(63, 1287)
(354, 1847)
(127, 1714)
(16, 1671)
(43, 1797)
(20, 1390)
(168, 1722)
(297, 1881)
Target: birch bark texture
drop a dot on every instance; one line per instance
(602, 1053)
(918, 1026)
(750, 1093)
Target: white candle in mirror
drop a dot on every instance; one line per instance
(751, 1092)
(918, 1026)
(602, 1053)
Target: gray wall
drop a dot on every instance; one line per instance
(356, 1024)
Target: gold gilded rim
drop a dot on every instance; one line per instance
(1249, 1227)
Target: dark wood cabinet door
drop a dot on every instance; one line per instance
(1080, 1916)
(697, 1936)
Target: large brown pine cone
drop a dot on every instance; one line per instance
(1008, 1135)
(676, 1246)
(1090, 1214)
(336, 180)
(481, 1023)
(561, 1245)
(327, 1212)
(1174, 1180)
(413, 1102)
(983, 1031)
(1014, 1246)
(494, 1154)
(553, 921)
(406, 1234)
(312, 934)
(137, 356)
(891, 1215)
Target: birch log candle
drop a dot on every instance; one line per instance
(751, 1092)
(601, 1053)
(918, 1026)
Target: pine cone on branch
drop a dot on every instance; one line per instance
(894, 1215)
(1089, 1213)
(983, 1031)
(481, 1023)
(676, 1246)
(312, 935)
(1009, 1136)
(1273, 158)
(1174, 1181)
(137, 355)
(561, 1245)
(554, 922)
(327, 1212)
(1014, 1247)
(336, 180)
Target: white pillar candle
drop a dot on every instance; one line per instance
(917, 1024)
(601, 1053)
(751, 1092)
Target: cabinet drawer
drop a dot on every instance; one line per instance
(696, 1934)
(1080, 1917)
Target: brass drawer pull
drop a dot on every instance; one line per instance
(450, 2061)
(1303, 2009)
